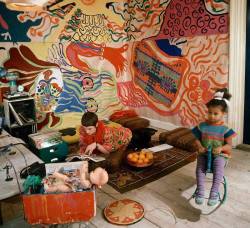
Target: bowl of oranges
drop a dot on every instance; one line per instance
(142, 158)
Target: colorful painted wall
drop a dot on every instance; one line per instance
(162, 58)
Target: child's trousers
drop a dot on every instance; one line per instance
(218, 173)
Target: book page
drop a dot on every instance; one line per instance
(93, 157)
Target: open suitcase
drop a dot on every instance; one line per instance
(56, 208)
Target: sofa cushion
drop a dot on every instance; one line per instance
(180, 137)
(133, 122)
(70, 135)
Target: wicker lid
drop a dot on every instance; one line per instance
(124, 212)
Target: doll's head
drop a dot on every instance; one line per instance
(218, 106)
(90, 122)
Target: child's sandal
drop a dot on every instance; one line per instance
(199, 200)
(213, 200)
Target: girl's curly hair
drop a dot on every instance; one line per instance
(222, 103)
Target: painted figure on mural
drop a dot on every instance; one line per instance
(49, 85)
(213, 133)
(96, 137)
(87, 83)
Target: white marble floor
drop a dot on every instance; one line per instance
(166, 201)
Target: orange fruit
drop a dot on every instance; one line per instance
(134, 159)
(140, 161)
(141, 156)
(130, 156)
(135, 155)
(146, 160)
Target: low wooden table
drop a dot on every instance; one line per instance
(165, 161)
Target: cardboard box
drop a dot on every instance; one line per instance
(59, 208)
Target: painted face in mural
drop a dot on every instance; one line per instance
(92, 106)
(87, 83)
(90, 130)
(215, 114)
(49, 86)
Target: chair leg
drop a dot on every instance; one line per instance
(225, 189)
(195, 193)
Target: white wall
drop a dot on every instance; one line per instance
(237, 43)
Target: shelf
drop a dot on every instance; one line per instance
(19, 112)
(15, 125)
(20, 117)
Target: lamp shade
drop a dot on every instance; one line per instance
(25, 5)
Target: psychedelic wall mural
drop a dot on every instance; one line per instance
(162, 58)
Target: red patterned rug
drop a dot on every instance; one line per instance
(166, 161)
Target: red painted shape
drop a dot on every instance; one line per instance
(3, 23)
(191, 18)
(59, 208)
(24, 59)
(55, 119)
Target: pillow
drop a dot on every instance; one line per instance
(133, 122)
(70, 135)
(180, 137)
(122, 114)
(111, 124)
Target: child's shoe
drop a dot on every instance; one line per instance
(199, 200)
(213, 200)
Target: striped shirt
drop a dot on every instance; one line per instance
(214, 135)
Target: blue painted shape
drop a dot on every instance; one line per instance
(168, 48)
(69, 100)
(17, 29)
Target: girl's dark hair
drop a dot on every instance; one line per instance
(222, 103)
(89, 119)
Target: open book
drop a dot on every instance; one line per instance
(92, 157)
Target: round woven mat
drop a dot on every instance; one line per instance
(124, 212)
